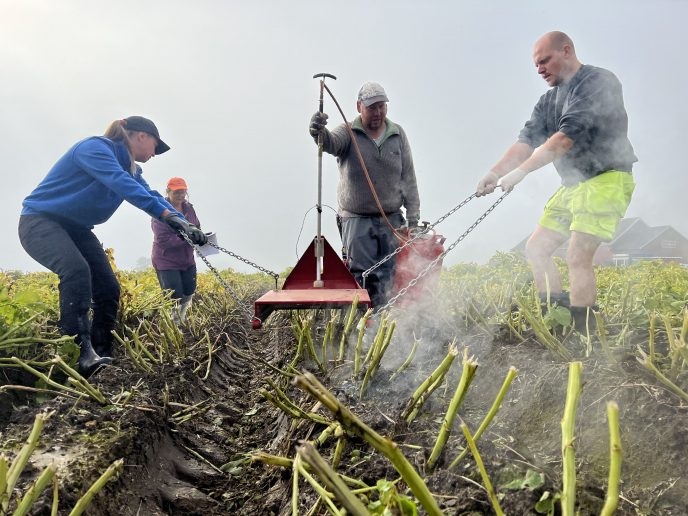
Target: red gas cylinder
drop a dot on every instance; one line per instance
(411, 261)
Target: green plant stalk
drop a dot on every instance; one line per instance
(80, 380)
(31, 340)
(286, 462)
(377, 357)
(408, 360)
(568, 421)
(83, 502)
(322, 492)
(377, 341)
(651, 338)
(136, 358)
(298, 410)
(602, 333)
(325, 434)
(611, 501)
(311, 347)
(674, 348)
(425, 389)
(15, 329)
(491, 413)
(19, 463)
(295, 486)
(387, 447)
(35, 490)
(142, 348)
(56, 497)
(272, 460)
(483, 472)
(648, 364)
(359, 342)
(467, 374)
(684, 328)
(3, 476)
(347, 328)
(45, 378)
(339, 448)
(329, 477)
(329, 328)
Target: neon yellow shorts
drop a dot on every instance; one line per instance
(594, 206)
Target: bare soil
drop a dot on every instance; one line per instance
(199, 466)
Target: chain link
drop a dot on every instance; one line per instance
(416, 237)
(232, 293)
(433, 263)
(245, 260)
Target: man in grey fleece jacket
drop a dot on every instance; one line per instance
(366, 237)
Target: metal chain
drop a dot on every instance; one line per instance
(441, 256)
(235, 296)
(246, 261)
(416, 237)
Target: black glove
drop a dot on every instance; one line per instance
(181, 226)
(197, 236)
(412, 223)
(318, 123)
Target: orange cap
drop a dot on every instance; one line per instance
(176, 183)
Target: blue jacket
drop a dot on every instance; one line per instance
(87, 185)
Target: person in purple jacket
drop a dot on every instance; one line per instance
(173, 258)
(84, 188)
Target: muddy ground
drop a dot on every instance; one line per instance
(199, 466)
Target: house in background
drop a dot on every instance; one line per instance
(635, 241)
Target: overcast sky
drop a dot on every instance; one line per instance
(229, 84)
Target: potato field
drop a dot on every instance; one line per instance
(468, 401)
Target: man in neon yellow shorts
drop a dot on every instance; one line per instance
(580, 125)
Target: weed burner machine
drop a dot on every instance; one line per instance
(320, 278)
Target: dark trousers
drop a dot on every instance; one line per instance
(367, 240)
(79, 260)
(182, 283)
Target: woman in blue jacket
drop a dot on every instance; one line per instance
(84, 188)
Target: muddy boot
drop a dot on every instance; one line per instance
(584, 319)
(89, 361)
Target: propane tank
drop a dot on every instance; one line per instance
(412, 260)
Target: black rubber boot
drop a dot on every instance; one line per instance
(584, 319)
(89, 360)
(103, 342)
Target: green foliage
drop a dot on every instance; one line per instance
(531, 480)
(390, 502)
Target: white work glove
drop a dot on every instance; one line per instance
(512, 179)
(487, 184)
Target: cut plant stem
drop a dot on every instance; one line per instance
(481, 468)
(331, 479)
(649, 365)
(429, 385)
(347, 328)
(83, 502)
(19, 462)
(467, 374)
(359, 342)
(387, 447)
(568, 421)
(35, 490)
(377, 356)
(408, 360)
(491, 414)
(611, 501)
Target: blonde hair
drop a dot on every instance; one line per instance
(117, 133)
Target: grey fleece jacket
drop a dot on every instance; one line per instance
(390, 167)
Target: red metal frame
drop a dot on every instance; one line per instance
(339, 286)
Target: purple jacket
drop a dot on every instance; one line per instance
(169, 251)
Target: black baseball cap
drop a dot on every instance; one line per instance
(139, 123)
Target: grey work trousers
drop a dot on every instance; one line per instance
(366, 241)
